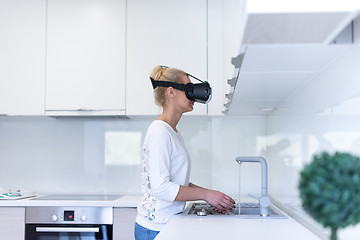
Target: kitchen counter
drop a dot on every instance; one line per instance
(292, 206)
(230, 227)
(210, 228)
(194, 227)
(123, 201)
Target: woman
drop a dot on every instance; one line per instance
(166, 162)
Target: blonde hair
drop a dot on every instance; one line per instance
(160, 73)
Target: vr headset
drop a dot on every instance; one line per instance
(198, 92)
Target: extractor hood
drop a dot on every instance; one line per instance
(282, 60)
(271, 79)
(295, 28)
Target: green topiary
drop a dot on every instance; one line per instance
(330, 190)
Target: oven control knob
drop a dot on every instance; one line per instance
(83, 218)
(54, 218)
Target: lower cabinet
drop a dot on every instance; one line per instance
(124, 222)
(12, 223)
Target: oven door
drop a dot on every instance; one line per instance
(67, 232)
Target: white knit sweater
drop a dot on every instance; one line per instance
(165, 166)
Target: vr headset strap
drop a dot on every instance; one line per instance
(178, 86)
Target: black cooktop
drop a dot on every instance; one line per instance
(91, 197)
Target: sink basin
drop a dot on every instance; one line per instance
(247, 210)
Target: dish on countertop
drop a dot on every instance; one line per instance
(10, 195)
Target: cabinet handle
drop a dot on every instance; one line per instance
(84, 109)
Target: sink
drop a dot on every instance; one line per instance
(253, 210)
(263, 209)
(247, 210)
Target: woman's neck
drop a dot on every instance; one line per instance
(170, 118)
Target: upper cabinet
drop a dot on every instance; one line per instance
(85, 60)
(94, 57)
(22, 58)
(163, 32)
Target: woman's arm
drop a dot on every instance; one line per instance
(219, 200)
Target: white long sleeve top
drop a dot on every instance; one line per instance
(165, 166)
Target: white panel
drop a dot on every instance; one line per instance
(254, 108)
(86, 55)
(12, 223)
(283, 58)
(163, 32)
(277, 74)
(339, 82)
(124, 223)
(270, 86)
(357, 31)
(22, 58)
(215, 56)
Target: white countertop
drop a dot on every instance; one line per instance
(215, 228)
(123, 201)
(223, 227)
(292, 206)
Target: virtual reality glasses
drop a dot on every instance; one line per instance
(198, 92)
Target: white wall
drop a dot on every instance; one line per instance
(68, 155)
(292, 141)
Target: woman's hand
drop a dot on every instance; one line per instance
(221, 202)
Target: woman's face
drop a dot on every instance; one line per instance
(184, 104)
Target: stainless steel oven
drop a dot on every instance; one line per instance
(68, 223)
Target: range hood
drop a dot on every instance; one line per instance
(283, 61)
(295, 28)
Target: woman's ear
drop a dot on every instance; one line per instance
(170, 92)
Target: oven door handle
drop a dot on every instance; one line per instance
(67, 229)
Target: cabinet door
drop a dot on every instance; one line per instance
(12, 223)
(124, 223)
(22, 58)
(163, 32)
(85, 55)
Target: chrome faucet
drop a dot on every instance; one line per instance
(264, 200)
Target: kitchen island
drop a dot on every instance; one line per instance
(222, 227)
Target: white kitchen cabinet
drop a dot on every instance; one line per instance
(163, 32)
(215, 55)
(12, 223)
(85, 71)
(124, 223)
(22, 58)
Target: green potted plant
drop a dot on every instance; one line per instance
(330, 190)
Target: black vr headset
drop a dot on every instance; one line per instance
(198, 92)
